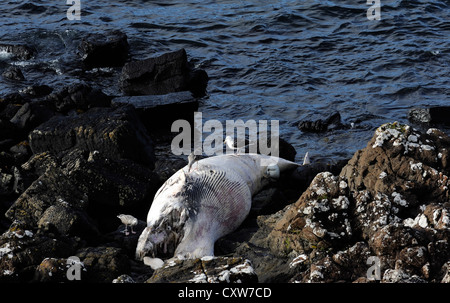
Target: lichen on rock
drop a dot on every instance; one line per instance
(391, 199)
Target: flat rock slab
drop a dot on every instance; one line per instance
(168, 73)
(154, 109)
(155, 76)
(205, 270)
(116, 133)
(155, 101)
(103, 50)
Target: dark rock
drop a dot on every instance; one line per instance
(127, 243)
(404, 165)
(413, 259)
(438, 254)
(161, 75)
(321, 125)
(124, 279)
(113, 186)
(346, 265)
(166, 162)
(318, 219)
(104, 50)
(82, 187)
(13, 98)
(197, 82)
(21, 250)
(156, 76)
(58, 270)
(79, 97)
(268, 267)
(205, 270)
(431, 115)
(10, 111)
(6, 184)
(445, 273)
(103, 264)
(263, 202)
(21, 152)
(400, 276)
(285, 149)
(22, 52)
(6, 161)
(22, 149)
(8, 131)
(391, 239)
(160, 111)
(52, 270)
(32, 114)
(13, 73)
(52, 188)
(116, 133)
(10, 104)
(299, 180)
(36, 91)
(38, 164)
(68, 221)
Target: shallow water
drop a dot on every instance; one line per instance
(287, 60)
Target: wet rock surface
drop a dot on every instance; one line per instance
(20, 51)
(78, 97)
(118, 133)
(154, 110)
(165, 74)
(103, 50)
(321, 125)
(13, 73)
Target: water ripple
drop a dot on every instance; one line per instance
(287, 59)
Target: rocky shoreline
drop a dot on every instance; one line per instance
(74, 158)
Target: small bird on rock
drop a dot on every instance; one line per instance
(128, 220)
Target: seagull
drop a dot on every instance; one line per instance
(306, 160)
(192, 158)
(230, 144)
(128, 220)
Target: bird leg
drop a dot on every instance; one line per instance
(132, 231)
(126, 230)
